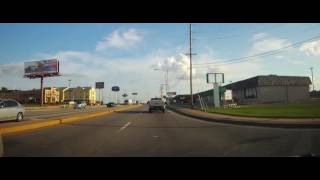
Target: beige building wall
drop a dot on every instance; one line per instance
(51, 95)
(61, 93)
(87, 94)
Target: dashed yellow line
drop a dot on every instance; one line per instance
(52, 122)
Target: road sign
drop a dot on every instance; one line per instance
(115, 88)
(171, 93)
(99, 85)
(215, 78)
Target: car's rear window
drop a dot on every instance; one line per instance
(155, 98)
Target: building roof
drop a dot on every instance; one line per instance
(270, 80)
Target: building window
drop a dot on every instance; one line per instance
(250, 93)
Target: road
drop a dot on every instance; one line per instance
(48, 113)
(139, 133)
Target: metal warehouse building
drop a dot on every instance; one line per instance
(271, 89)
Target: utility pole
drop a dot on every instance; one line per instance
(41, 89)
(69, 83)
(167, 81)
(311, 68)
(190, 55)
(161, 87)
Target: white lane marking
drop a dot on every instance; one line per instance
(126, 125)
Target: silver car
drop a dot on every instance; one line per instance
(11, 110)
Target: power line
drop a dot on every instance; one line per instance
(241, 35)
(267, 53)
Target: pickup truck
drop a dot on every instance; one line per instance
(157, 104)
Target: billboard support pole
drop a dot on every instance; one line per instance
(41, 89)
(116, 97)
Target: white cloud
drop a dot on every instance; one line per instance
(8, 70)
(179, 71)
(268, 44)
(297, 62)
(258, 36)
(120, 39)
(279, 56)
(311, 48)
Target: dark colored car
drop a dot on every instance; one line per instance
(111, 104)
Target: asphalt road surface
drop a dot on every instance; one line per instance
(139, 133)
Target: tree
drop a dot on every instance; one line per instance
(4, 89)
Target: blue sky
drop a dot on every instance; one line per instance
(125, 54)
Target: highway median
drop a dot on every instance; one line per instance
(30, 125)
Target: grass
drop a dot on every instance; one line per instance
(273, 110)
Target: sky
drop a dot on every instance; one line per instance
(126, 54)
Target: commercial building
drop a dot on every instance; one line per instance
(271, 89)
(79, 94)
(61, 91)
(257, 90)
(51, 95)
(29, 96)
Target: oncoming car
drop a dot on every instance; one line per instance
(11, 110)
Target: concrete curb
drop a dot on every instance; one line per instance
(247, 123)
(52, 122)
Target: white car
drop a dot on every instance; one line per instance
(157, 104)
(11, 110)
(81, 105)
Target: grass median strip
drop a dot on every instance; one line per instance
(272, 111)
(57, 121)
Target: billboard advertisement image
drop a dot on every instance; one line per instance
(43, 67)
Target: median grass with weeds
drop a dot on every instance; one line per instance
(273, 110)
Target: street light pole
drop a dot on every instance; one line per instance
(190, 55)
(311, 68)
(167, 81)
(166, 78)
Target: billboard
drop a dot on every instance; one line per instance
(99, 85)
(43, 67)
(134, 94)
(215, 78)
